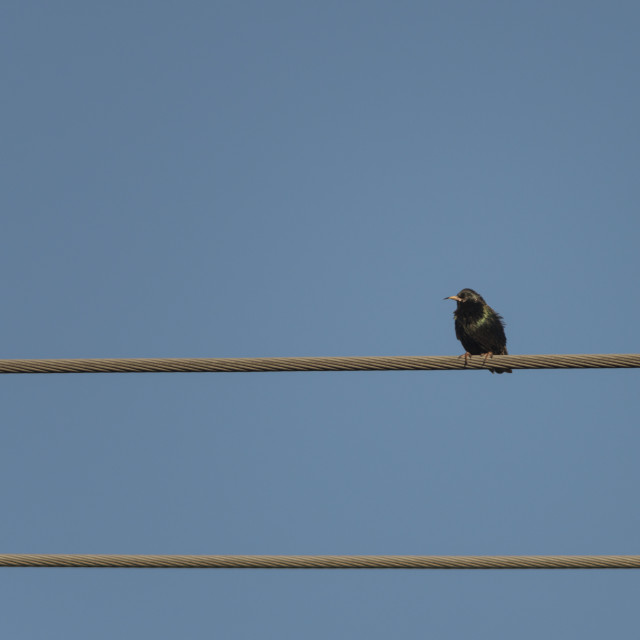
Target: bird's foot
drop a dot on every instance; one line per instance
(488, 355)
(466, 355)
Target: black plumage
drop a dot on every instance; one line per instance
(479, 327)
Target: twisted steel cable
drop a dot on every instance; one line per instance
(318, 562)
(356, 363)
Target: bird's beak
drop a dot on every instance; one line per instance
(456, 298)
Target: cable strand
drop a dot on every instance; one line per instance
(318, 562)
(361, 363)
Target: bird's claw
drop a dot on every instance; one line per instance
(487, 355)
(466, 355)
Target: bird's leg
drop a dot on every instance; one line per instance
(466, 355)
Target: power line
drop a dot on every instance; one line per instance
(363, 363)
(318, 562)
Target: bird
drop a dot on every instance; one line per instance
(479, 328)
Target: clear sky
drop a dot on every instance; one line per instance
(313, 178)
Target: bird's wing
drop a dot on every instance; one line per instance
(494, 339)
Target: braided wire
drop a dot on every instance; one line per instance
(362, 363)
(318, 562)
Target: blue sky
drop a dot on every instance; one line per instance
(294, 178)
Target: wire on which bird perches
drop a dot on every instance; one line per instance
(348, 363)
(318, 562)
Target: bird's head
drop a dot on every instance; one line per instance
(467, 295)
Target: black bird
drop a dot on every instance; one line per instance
(479, 327)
